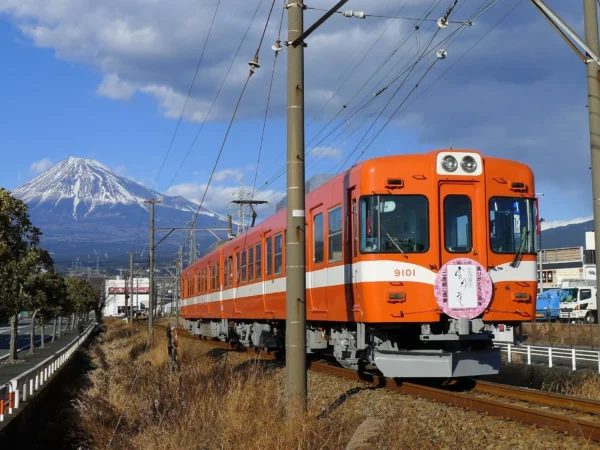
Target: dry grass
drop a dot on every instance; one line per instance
(210, 402)
(561, 333)
(223, 400)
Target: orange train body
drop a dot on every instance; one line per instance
(411, 260)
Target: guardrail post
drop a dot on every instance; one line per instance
(37, 381)
(529, 354)
(10, 399)
(25, 391)
(2, 408)
(574, 359)
(16, 397)
(31, 386)
(550, 356)
(509, 353)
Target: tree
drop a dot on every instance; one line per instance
(19, 255)
(82, 298)
(45, 293)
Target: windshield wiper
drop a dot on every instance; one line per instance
(521, 248)
(393, 241)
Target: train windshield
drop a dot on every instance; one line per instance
(512, 225)
(394, 224)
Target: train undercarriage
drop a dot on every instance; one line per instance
(451, 348)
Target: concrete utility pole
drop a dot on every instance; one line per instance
(151, 281)
(591, 58)
(590, 13)
(131, 284)
(177, 282)
(295, 320)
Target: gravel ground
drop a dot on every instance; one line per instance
(416, 422)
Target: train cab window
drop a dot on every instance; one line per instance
(512, 225)
(458, 235)
(258, 266)
(318, 239)
(278, 254)
(269, 255)
(394, 224)
(244, 266)
(251, 264)
(334, 229)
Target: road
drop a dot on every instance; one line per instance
(23, 339)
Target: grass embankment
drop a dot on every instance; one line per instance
(544, 333)
(211, 402)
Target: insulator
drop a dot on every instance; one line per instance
(277, 46)
(347, 13)
(442, 22)
(254, 64)
(359, 14)
(441, 53)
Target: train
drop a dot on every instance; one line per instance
(412, 262)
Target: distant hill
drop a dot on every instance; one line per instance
(87, 211)
(568, 236)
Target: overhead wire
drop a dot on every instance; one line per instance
(423, 76)
(250, 73)
(216, 96)
(427, 13)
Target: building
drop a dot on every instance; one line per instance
(571, 263)
(115, 295)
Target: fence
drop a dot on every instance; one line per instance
(24, 385)
(552, 354)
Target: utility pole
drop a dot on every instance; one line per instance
(131, 281)
(590, 20)
(151, 281)
(177, 283)
(295, 319)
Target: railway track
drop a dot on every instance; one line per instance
(574, 415)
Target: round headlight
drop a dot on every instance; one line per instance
(468, 164)
(449, 163)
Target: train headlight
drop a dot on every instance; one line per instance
(449, 163)
(468, 164)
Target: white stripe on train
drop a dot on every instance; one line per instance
(361, 272)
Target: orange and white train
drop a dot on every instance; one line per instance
(411, 262)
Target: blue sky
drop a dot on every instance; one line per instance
(107, 80)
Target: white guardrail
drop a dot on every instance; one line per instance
(551, 354)
(25, 384)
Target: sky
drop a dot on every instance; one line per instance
(109, 81)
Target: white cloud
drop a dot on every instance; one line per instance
(562, 223)
(219, 196)
(41, 166)
(228, 173)
(113, 87)
(327, 152)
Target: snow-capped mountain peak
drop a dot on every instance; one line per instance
(86, 184)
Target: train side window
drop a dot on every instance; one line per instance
(269, 256)
(251, 264)
(584, 294)
(225, 272)
(243, 266)
(354, 228)
(334, 227)
(258, 267)
(278, 254)
(238, 268)
(230, 271)
(318, 239)
(458, 236)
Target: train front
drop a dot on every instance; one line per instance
(454, 235)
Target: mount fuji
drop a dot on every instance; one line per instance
(86, 210)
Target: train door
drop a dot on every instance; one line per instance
(463, 222)
(351, 251)
(316, 268)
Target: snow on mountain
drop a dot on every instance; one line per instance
(87, 184)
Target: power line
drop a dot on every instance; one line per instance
(216, 97)
(392, 17)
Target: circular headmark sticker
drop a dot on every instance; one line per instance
(463, 288)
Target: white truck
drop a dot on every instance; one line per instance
(578, 301)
